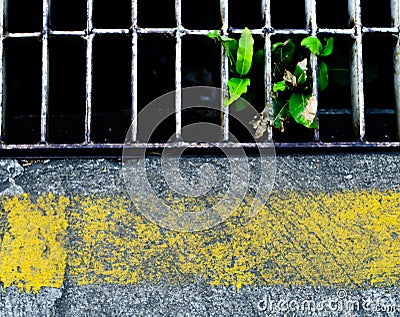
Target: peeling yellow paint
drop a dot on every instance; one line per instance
(32, 252)
(327, 239)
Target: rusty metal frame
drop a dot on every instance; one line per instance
(355, 31)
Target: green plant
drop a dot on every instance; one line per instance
(241, 59)
(292, 82)
(292, 90)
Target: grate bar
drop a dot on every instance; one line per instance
(395, 6)
(266, 14)
(357, 84)
(379, 30)
(349, 111)
(224, 71)
(274, 31)
(134, 71)
(89, 70)
(396, 60)
(45, 72)
(65, 33)
(311, 21)
(227, 145)
(171, 31)
(22, 35)
(336, 31)
(178, 70)
(110, 31)
(266, 9)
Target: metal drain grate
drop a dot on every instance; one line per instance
(76, 81)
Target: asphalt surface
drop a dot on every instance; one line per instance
(317, 173)
(311, 172)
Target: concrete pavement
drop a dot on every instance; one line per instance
(326, 243)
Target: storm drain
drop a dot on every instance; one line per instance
(75, 74)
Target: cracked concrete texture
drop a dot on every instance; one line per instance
(16, 304)
(202, 300)
(199, 300)
(9, 170)
(322, 172)
(298, 172)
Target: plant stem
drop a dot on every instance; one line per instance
(280, 111)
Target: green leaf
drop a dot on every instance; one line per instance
(244, 52)
(285, 53)
(282, 114)
(221, 38)
(289, 48)
(303, 109)
(302, 78)
(237, 87)
(314, 124)
(276, 45)
(313, 44)
(280, 85)
(225, 38)
(296, 105)
(231, 49)
(277, 123)
(328, 48)
(280, 106)
(228, 43)
(322, 76)
(214, 35)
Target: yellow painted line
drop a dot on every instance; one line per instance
(326, 239)
(32, 250)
